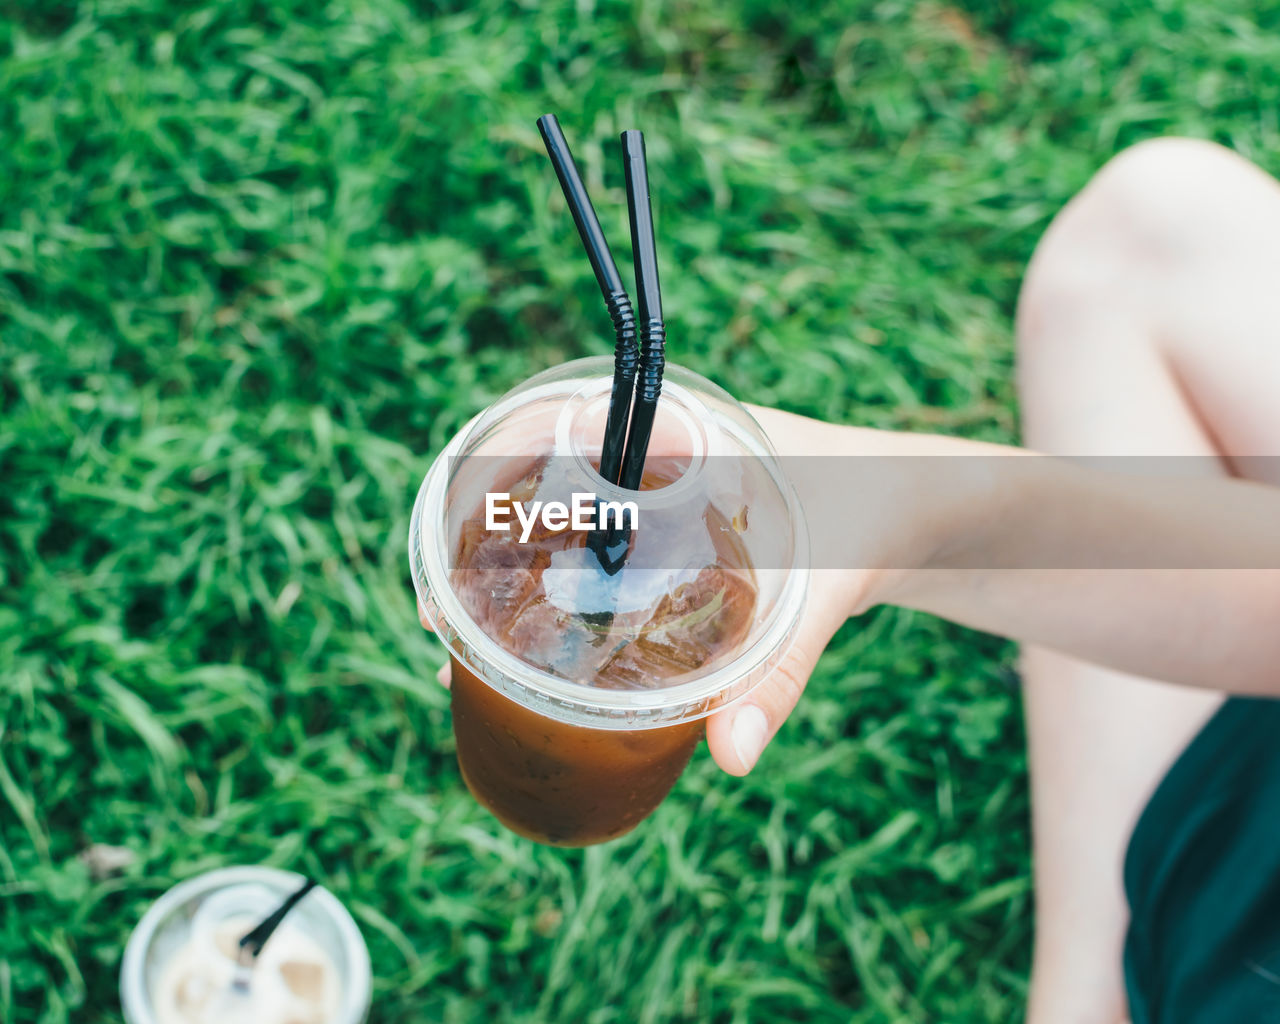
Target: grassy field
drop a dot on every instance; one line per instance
(260, 258)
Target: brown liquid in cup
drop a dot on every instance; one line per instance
(573, 785)
(562, 784)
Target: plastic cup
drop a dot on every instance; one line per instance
(576, 709)
(185, 923)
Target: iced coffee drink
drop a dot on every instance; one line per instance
(580, 686)
(569, 784)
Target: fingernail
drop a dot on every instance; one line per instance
(442, 677)
(750, 730)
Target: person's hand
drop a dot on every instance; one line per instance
(738, 734)
(894, 529)
(445, 676)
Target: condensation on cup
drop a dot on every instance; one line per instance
(180, 963)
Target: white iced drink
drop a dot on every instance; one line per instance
(293, 981)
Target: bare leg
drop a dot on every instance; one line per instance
(1149, 323)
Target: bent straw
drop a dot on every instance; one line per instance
(251, 945)
(653, 333)
(625, 355)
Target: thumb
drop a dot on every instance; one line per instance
(738, 734)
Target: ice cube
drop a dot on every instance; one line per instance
(192, 994)
(692, 626)
(305, 978)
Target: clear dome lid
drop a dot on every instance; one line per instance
(595, 603)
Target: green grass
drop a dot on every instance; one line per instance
(259, 260)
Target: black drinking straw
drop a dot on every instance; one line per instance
(625, 355)
(653, 334)
(251, 945)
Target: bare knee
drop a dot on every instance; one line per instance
(1161, 196)
(1136, 228)
(1145, 206)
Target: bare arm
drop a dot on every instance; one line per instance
(1197, 600)
(1176, 578)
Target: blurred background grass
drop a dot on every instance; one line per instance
(260, 258)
